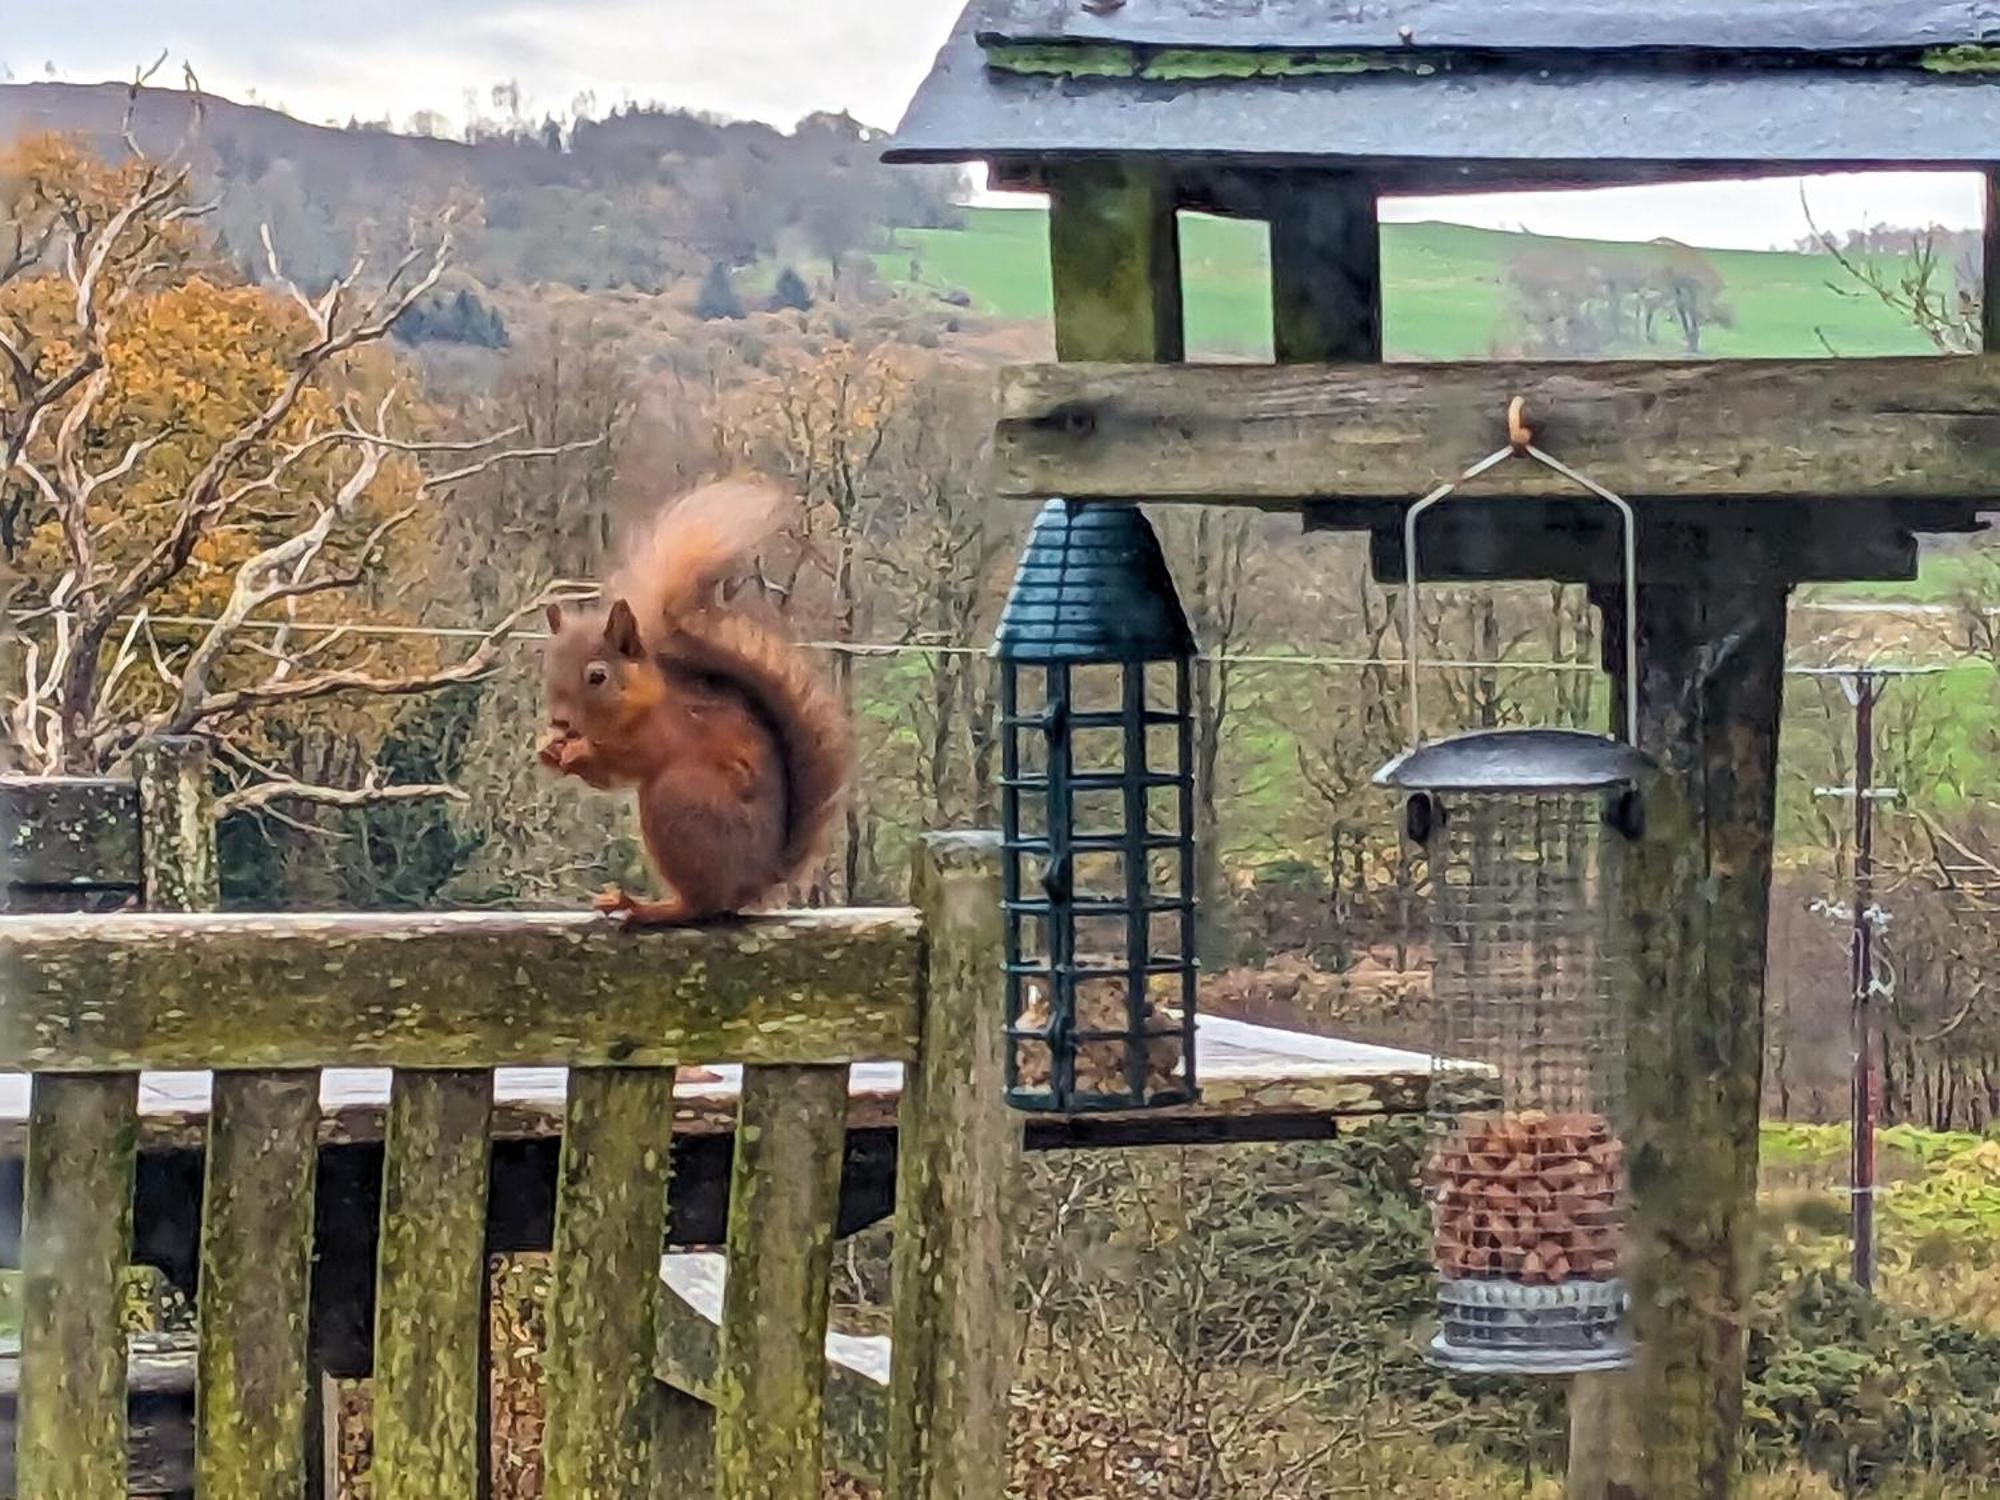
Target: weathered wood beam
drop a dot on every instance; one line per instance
(1711, 658)
(76, 1239)
(1578, 541)
(251, 1390)
(1115, 259)
(784, 1201)
(474, 989)
(611, 1207)
(1326, 268)
(430, 1302)
(1990, 267)
(1903, 429)
(69, 832)
(179, 866)
(957, 1174)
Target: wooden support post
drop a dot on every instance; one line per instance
(1326, 269)
(178, 862)
(1990, 270)
(1711, 659)
(1114, 250)
(784, 1200)
(957, 1170)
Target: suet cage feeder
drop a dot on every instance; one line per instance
(1097, 811)
(1523, 833)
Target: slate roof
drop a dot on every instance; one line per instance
(1830, 26)
(1587, 87)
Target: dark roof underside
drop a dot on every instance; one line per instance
(1470, 126)
(1504, 25)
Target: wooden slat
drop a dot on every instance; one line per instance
(251, 1396)
(1114, 252)
(784, 1200)
(472, 989)
(1280, 435)
(1326, 267)
(76, 1238)
(69, 831)
(429, 1301)
(611, 1200)
(856, 1407)
(957, 1172)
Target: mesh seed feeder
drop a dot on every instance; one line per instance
(1524, 831)
(1097, 812)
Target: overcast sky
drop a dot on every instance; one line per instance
(329, 60)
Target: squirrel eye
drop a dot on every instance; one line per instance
(597, 674)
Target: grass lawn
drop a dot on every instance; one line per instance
(1445, 295)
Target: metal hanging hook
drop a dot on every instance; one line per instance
(1521, 444)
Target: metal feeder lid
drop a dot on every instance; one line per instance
(1092, 586)
(1518, 760)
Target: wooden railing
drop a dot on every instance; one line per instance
(267, 1001)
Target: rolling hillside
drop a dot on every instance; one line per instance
(1446, 294)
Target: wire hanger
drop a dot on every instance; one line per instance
(1521, 444)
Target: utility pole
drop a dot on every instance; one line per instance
(1864, 687)
(1866, 1100)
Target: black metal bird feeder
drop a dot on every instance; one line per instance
(1097, 810)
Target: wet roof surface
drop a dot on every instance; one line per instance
(1628, 112)
(1829, 26)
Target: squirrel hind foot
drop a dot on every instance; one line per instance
(638, 911)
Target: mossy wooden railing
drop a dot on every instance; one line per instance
(267, 1001)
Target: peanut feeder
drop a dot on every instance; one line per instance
(1523, 832)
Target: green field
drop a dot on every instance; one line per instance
(1445, 297)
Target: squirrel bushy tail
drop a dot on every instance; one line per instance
(811, 729)
(673, 567)
(670, 582)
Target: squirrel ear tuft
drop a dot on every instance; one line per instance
(554, 613)
(621, 630)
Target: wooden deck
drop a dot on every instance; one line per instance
(1247, 1073)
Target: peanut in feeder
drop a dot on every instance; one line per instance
(1523, 831)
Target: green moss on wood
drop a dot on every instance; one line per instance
(784, 1203)
(429, 1295)
(256, 1265)
(1198, 64)
(1114, 253)
(453, 990)
(1962, 60)
(1062, 61)
(611, 1202)
(76, 1240)
(180, 869)
(69, 831)
(1193, 64)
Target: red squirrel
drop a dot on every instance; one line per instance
(738, 751)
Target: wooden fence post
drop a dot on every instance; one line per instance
(179, 867)
(1990, 272)
(957, 1172)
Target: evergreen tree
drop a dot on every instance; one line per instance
(717, 297)
(791, 291)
